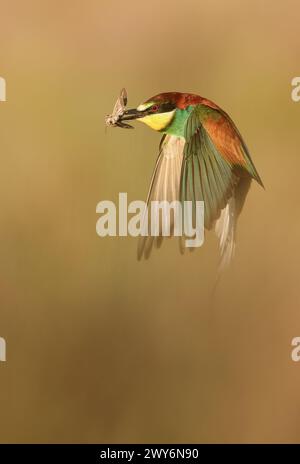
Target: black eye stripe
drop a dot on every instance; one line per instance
(164, 107)
(159, 108)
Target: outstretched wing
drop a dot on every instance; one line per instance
(164, 186)
(215, 158)
(120, 103)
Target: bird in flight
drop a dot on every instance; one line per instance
(202, 157)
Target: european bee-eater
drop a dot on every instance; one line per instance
(202, 157)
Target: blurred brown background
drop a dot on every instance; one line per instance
(100, 347)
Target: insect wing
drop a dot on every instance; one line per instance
(120, 104)
(119, 108)
(123, 97)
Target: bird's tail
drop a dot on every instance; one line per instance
(225, 229)
(225, 226)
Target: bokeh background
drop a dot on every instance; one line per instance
(101, 347)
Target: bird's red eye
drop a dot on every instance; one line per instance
(154, 108)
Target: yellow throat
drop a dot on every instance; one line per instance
(156, 121)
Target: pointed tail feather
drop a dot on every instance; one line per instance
(225, 229)
(225, 226)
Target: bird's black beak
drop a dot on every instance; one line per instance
(129, 115)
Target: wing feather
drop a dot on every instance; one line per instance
(164, 185)
(217, 169)
(209, 175)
